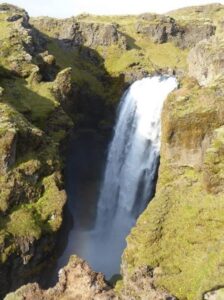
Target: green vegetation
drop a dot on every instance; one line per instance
(35, 101)
(188, 263)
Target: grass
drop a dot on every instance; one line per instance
(5, 28)
(22, 224)
(36, 101)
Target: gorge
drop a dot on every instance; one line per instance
(60, 86)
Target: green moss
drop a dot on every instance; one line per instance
(50, 206)
(36, 101)
(181, 234)
(22, 224)
(5, 28)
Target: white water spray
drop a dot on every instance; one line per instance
(134, 152)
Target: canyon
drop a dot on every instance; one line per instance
(63, 79)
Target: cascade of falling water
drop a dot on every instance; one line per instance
(129, 178)
(134, 151)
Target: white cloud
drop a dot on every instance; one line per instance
(66, 8)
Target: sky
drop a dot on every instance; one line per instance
(67, 8)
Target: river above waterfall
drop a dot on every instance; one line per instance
(105, 212)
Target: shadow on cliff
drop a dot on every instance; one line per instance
(95, 93)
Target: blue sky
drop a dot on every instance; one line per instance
(66, 8)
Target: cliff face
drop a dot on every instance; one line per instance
(55, 73)
(32, 195)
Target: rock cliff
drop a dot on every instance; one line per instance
(57, 73)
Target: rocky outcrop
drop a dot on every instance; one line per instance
(191, 34)
(62, 87)
(162, 29)
(19, 42)
(206, 60)
(73, 33)
(76, 281)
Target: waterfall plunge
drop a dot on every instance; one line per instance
(134, 152)
(129, 177)
(131, 168)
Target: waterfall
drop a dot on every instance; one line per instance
(134, 152)
(129, 177)
(132, 163)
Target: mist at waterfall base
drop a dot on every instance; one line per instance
(129, 177)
